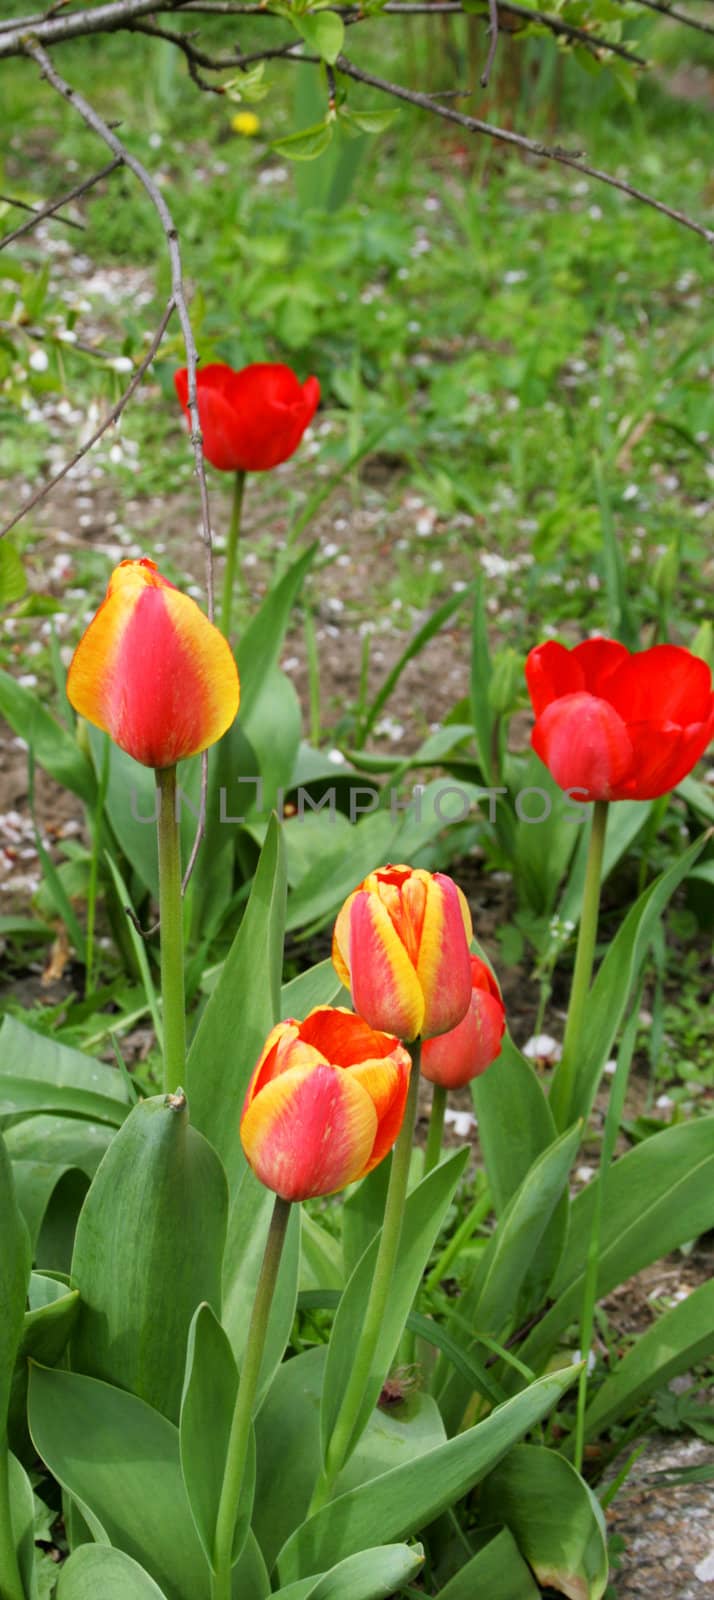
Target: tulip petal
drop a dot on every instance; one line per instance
(387, 1084)
(666, 684)
(310, 1131)
(343, 1038)
(551, 672)
(598, 659)
(152, 671)
(385, 988)
(444, 966)
(663, 755)
(585, 745)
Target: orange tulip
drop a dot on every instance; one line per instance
(401, 945)
(325, 1103)
(152, 671)
(455, 1058)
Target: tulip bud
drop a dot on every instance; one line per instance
(325, 1103)
(401, 945)
(666, 573)
(455, 1058)
(152, 671)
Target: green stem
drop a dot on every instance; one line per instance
(245, 1399)
(171, 915)
(481, 1209)
(561, 1094)
(229, 571)
(11, 1585)
(94, 865)
(436, 1128)
(342, 1441)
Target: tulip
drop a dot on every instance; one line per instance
(615, 725)
(152, 671)
(325, 1103)
(454, 1058)
(253, 419)
(401, 945)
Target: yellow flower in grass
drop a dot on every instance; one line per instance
(245, 122)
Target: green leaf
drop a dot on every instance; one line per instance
(261, 643)
(367, 121)
(54, 748)
(22, 1518)
(207, 1407)
(625, 821)
(481, 713)
(542, 849)
(306, 145)
(323, 31)
(119, 1459)
(554, 1518)
(320, 1256)
(328, 883)
(149, 1248)
(38, 1074)
(490, 1302)
(287, 1432)
(401, 1501)
(15, 1262)
(273, 726)
(363, 1214)
(498, 1571)
(138, 944)
(62, 1140)
(96, 1569)
(242, 1009)
(45, 1331)
(13, 578)
(657, 1197)
(370, 1575)
(615, 980)
(36, 1183)
(676, 1342)
(319, 986)
(421, 638)
(248, 1225)
(424, 1212)
(515, 1123)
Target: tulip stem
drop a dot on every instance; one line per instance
(561, 1094)
(171, 916)
(436, 1128)
(229, 571)
(239, 1437)
(343, 1438)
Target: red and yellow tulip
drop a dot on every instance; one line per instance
(152, 671)
(401, 945)
(454, 1058)
(325, 1103)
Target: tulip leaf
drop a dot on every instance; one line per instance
(554, 1518)
(13, 578)
(320, 1256)
(494, 1299)
(63, 1140)
(273, 727)
(22, 1518)
(96, 1569)
(544, 838)
(424, 1212)
(46, 1329)
(657, 1197)
(323, 31)
(401, 1501)
(262, 642)
(37, 1073)
(328, 883)
(54, 748)
(676, 1342)
(15, 1259)
(515, 1123)
(287, 1431)
(207, 1407)
(38, 1184)
(240, 1012)
(614, 982)
(248, 1224)
(119, 1459)
(625, 821)
(319, 986)
(363, 1213)
(498, 1571)
(232, 760)
(369, 1575)
(149, 1248)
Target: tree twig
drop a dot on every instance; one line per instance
(111, 417)
(40, 212)
(22, 205)
(520, 142)
(493, 42)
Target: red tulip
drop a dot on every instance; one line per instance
(616, 725)
(253, 419)
(401, 944)
(456, 1057)
(152, 671)
(325, 1103)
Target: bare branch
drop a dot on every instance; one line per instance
(111, 417)
(56, 205)
(493, 42)
(178, 293)
(677, 16)
(35, 213)
(530, 146)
